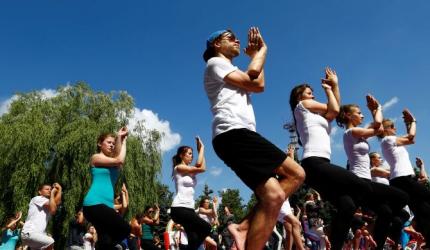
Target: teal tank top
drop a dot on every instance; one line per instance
(147, 232)
(102, 186)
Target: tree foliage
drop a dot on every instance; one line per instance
(48, 140)
(231, 198)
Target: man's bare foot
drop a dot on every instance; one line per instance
(238, 235)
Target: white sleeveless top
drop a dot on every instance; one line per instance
(381, 180)
(314, 132)
(397, 157)
(357, 151)
(184, 190)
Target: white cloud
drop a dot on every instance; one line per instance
(215, 171)
(48, 93)
(45, 94)
(151, 121)
(334, 131)
(390, 103)
(5, 105)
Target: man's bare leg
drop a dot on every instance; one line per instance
(270, 198)
(291, 176)
(240, 231)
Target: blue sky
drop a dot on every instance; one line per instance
(152, 50)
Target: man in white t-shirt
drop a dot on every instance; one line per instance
(40, 210)
(262, 166)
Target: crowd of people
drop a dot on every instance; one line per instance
(373, 207)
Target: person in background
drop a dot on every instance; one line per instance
(77, 230)
(151, 217)
(40, 209)
(98, 205)
(10, 232)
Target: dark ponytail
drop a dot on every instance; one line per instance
(296, 92)
(176, 159)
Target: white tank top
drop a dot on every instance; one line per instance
(314, 132)
(357, 151)
(381, 180)
(397, 157)
(184, 190)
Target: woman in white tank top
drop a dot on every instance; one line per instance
(182, 210)
(387, 202)
(401, 170)
(342, 188)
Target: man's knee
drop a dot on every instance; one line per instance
(270, 193)
(292, 171)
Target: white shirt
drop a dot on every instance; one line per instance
(88, 242)
(38, 216)
(357, 151)
(285, 210)
(314, 132)
(230, 105)
(397, 157)
(184, 190)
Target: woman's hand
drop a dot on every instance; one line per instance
(407, 116)
(123, 132)
(372, 103)
(330, 78)
(199, 143)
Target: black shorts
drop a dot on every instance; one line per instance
(252, 157)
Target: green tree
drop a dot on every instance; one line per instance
(231, 198)
(51, 140)
(206, 194)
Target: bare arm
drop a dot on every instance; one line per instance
(379, 172)
(118, 159)
(331, 86)
(200, 166)
(423, 174)
(253, 79)
(411, 127)
(14, 221)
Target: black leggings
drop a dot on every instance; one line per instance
(419, 202)
(387, 202)
(111, 227)
(339, 186)
(196, 228)
(148, 245)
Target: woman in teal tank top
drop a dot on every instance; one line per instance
(98, 205)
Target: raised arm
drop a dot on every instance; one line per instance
(411, 128)
(54, 199)
(200, 166)
(423, 174)
(331, 87)
(376, 127)
(118, 158)
(253, 79)
(14, 221)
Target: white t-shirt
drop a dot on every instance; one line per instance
(381, 180)
(397, 157)
(184, 190)
(88, 242)
(38, 216)
(231, 106)
(314, 132)
(285, 210)
(357, 151)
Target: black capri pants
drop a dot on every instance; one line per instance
(419, 202)
(111, 227)
(339, 186)
(196, 228)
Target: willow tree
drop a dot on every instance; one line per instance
(50, 139)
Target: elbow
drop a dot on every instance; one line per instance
(259, 89)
